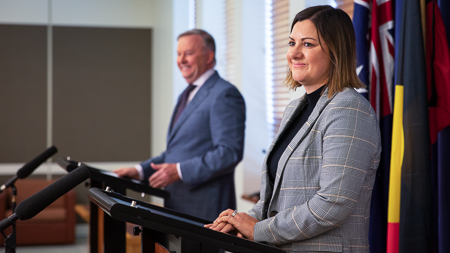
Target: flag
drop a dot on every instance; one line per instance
(374, 29)
(438, 80)
(409, 212)
(362, 25)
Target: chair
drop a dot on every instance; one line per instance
(53, 225)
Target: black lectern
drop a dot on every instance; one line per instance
(158, 222)
(114, 236)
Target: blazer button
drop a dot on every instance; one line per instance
(273, 213)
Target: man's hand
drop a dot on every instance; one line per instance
(127, 172)
(166, 173)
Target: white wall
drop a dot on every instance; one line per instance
(24, 12)
(163, 56)
(116, 13)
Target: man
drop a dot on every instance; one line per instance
(205, 140)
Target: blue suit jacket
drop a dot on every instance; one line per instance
(208, 141)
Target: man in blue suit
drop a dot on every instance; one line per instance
(205, 138)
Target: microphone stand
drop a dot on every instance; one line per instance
(10, 240)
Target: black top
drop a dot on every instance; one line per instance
(291, 131)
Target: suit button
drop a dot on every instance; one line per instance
(273, 213)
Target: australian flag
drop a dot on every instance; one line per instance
(374, 28)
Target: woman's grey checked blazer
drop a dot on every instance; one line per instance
(320, 200)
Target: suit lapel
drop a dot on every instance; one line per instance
(291, 112)
(201, 95)
(298, 138)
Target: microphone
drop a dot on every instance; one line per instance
(33, 205)
(29, 167)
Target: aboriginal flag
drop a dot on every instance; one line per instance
(410, 212)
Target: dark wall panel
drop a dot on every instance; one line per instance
(23, 92)
(101, 98)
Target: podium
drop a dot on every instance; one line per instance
(114, 236)
(158, 223)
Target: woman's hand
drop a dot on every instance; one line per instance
(242, 222)
(223, 227)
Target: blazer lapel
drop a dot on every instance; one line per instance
(201, 95)
(291, 112)
(304, 131)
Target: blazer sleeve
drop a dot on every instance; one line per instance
(227, 126)
(148, 171)
(351, 147)
(257, 210)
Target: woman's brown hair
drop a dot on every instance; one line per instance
(336, 29)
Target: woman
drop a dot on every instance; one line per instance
(319, 172)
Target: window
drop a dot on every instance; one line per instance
(277, 32)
